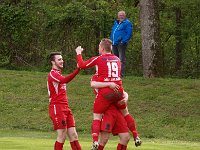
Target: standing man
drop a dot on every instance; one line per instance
(120, 36)
(59, 110)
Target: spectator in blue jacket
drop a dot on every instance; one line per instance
(120, 35)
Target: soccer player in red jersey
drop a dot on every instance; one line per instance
(108, 68)
(59, 110)
(113, 122)
(130, 121)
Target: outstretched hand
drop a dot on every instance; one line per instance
(79, 50)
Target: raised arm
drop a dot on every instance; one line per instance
(84, 64)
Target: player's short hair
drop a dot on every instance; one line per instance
(52, 56)
(106, 44)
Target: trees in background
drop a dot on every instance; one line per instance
(151, 43)
(31, 29)
(179, 29)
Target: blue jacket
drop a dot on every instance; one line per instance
(121, 33)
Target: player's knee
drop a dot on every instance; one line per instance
(125, 139)
(61, 138)
(73, 136)
(61, 135)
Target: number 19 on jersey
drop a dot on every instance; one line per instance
(113, 69)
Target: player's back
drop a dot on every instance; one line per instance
(108, 68)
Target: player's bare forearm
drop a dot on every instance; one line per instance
(98, 85)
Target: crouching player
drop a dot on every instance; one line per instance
(121, 105)
(113, 122)
(59, 110)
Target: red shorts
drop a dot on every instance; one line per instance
(61, 116)
(105, 97)
(113, 121)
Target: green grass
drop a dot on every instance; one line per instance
(163, 108)
(29, 140)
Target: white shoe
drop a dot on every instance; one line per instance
(95, 145)
(138, 141)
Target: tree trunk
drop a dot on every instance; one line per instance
(197, 54)
(151, 43)
(178, 40)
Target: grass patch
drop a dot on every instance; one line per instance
(163, 108)
(31, 140)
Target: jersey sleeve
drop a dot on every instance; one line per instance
(61, 79)
(94, 78)
(86, 64)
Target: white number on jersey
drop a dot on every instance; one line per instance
(112, 69)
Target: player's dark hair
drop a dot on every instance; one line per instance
(106, 44)
(52, 56)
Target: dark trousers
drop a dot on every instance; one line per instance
(119, 51)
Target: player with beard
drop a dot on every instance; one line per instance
(59, 111)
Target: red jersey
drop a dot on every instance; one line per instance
(108, 67)
(56, 85)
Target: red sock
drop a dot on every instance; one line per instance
(100, 147)
(58, 146)
(121, 147)
(96, 127)
(75, 145)
(131, 125)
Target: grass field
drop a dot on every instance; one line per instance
(29, 140)
(163, 108)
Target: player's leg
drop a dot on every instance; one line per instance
(124, 139)
(61, 136)
(120, 128)
(107, 126)
(59, 121)
(100, 106)
(104, 136)
(131, 125)
(73, 138)
(130, 122)
(71, 132)
(96, 125)
(122, 105)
